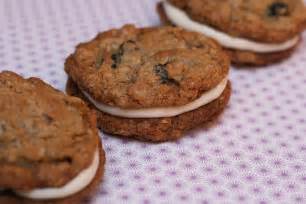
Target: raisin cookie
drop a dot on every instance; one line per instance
(253, 32)
(50, 148)
(150, 83)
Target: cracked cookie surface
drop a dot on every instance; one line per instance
(46, 137)
(271, 21)
(150, 67)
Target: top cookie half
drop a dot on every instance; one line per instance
(147, 67)
(271, 21)
(46, 137)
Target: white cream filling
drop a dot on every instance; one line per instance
(206, 98)
(77, 184)
(180, 18)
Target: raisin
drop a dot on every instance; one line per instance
(278, 9)
(199, 46)
(2, 128)
(48, 118)
(131, 41)
(161, 71)
(65, 159)
(116, 57)
(99, 59)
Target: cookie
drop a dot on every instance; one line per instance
(150, 83)
(50, 148)
(253, 32)
(156, 129)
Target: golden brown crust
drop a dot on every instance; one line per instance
(270, 21)
(81, 197)
(152, 67)
(239, 57)
(47, 138)
(157, 129)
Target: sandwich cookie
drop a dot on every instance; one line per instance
(150, 83)
(252, 32)
(50, 148)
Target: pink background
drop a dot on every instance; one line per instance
(255, 153)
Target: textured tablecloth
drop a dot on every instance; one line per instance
(254, 153)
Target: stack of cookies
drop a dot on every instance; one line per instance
(152, 84)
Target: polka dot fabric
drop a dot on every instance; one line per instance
(254, 153)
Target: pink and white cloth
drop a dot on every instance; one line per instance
(254, 153)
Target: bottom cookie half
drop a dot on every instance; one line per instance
(240, 57)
